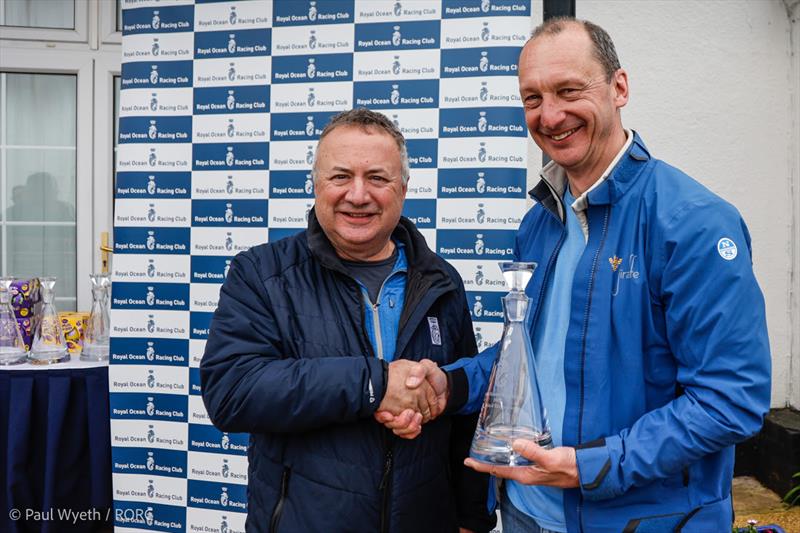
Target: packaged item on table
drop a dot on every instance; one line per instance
(26, 329)
(73, 324)
(24, 297)
(12, 348)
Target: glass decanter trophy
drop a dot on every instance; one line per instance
(512, 408)
(12, 347)
(48, 345)
(95, 337)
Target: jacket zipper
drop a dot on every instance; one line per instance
(593, 272)
(376, 318)
(386, 487)
(376, 324)
(276, 513)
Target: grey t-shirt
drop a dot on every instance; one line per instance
(372, 274)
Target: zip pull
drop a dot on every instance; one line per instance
(387, 469)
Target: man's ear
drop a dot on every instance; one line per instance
(620, 84)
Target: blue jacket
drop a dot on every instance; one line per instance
(289, 360)
(667, 361)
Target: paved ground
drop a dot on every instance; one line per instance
(751, 500)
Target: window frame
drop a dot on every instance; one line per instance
(78, 34)
(47, 62)
(106, 67)
(108, 23)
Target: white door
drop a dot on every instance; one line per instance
(58, 59)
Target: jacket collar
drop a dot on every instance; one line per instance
(550, 188)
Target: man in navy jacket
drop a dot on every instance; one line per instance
(316, 332)
(648, 325)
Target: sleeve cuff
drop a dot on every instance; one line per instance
(377, 380)
(594, 469)
(459, 390)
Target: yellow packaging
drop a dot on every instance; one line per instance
(73, 324)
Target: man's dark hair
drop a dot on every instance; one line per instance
(366, 119)
(604, 50)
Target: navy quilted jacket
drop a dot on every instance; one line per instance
(289, 361)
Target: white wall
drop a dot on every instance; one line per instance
(793, 10)
(713, 92)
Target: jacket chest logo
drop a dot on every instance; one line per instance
(436, 334)
(622, 275)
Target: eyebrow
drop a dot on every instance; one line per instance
(369, 170)
(578, 82)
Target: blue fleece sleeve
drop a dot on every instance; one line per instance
(476, 370)
(716, 327)
(249, 383)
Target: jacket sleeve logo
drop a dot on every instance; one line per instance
(727, 249)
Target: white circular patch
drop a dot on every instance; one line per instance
(727, 249)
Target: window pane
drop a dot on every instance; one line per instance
(39, 13)
(38, 179)
(40, 109)
(42, 250)
(40, 185)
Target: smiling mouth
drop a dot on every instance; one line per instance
(357, 215)
(563, 135)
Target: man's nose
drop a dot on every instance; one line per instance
(358, 192)
(551, 113)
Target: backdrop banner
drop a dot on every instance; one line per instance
(221, 107)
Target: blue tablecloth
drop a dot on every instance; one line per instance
(55, 448)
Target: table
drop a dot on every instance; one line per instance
(55, 447)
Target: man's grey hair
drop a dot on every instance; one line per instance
(604, 50)
(367, 120)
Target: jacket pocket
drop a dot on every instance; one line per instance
(276, 513)
(663, 522)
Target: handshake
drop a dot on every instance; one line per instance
(416, 393)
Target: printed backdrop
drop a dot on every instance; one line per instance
(221, 107)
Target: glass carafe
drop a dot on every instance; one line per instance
(512, 408)
(12, 347)
(48, 345)
(95, 336)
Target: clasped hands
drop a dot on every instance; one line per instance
(416, 393)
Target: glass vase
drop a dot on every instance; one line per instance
(48, 345)
(95, 336)
(512, 408)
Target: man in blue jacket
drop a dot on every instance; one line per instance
(648, 325)
(316, 332)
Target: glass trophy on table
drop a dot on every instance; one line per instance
(12, 347)
(48, 345)
(95, 337)
(512, 408)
